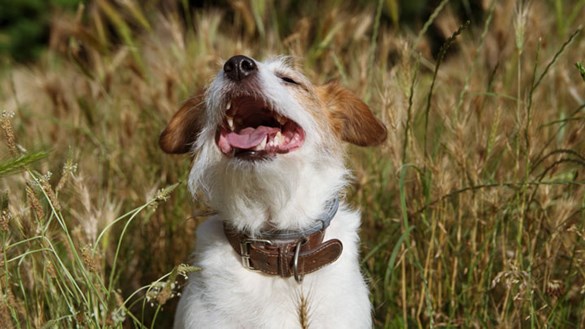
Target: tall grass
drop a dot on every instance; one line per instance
(473, 211)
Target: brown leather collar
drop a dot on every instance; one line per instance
(285, 258)
(289, 253)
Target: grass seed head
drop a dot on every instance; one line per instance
(6, 124)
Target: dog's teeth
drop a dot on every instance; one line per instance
(229, 105)
(230, 122)
(278, 138)
(280, 119)
(261, 146)
(276, 141)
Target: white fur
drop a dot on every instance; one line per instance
(288, 192)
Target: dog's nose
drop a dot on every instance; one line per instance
(239, 67)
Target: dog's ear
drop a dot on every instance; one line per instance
(351, 118)
(181, 132)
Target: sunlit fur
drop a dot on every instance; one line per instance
(286, 192)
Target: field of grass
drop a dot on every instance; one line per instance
(473, 210)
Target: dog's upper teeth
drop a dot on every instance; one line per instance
(282, 120)
(229, 105)
(230, 122)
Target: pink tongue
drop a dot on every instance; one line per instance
(249, 138)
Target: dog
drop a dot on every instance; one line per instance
(282, 249)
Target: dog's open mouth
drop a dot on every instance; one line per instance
(252, 130)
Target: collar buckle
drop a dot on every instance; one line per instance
(245, 251)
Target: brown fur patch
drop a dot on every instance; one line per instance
(181, 132)
(350, 118)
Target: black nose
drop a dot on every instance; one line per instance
(239, 67)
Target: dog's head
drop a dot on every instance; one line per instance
(264, 124)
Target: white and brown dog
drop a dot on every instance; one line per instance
(282, 251)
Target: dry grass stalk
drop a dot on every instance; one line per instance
(303, 310)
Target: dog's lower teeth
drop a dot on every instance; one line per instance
(278, 138)
(261, 146)
(230, 122)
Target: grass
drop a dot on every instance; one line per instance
(473, 211)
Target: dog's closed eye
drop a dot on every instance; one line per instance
(288, 80)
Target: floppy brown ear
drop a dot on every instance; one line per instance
(351, 118)
(181, 132)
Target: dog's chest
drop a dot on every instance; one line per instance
(226, 295)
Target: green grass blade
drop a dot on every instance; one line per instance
(20, 163)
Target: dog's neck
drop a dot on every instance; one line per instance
(283, 194)
(320, 224)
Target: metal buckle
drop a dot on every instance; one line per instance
(245, 251)
(298, 278)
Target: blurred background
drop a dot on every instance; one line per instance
(27, 27)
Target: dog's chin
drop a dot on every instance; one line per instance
(253, 156)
